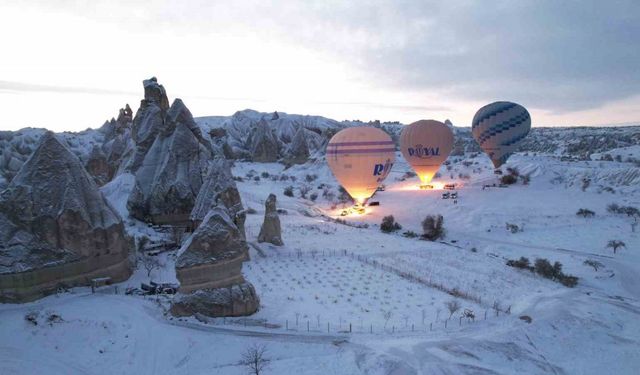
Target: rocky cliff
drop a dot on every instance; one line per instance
(56, 228)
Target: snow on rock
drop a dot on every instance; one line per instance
(270, 230)
(170, 159)
(298, 151)
(237, 300)
(219, 190)
(98, 166)
(209, 269)
(264, 145)
(53, 211)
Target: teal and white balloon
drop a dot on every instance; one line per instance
(499, 128)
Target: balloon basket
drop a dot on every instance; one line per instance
(359, 210)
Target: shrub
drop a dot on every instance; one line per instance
(410, 234)
(433, 227)
(585, 212)
(568, 280)
(311, 177)
(265, 174)
(389, 224)
(313, 196)
(508, 179)
(513, 228)
(543, 268)
(251, 211)
(304, 190)
(522, 263)
(288, 191)
(513, 172)
(526, 178)
(284, 177)
(256, 178)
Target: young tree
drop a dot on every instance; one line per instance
(386, 315)
(254, 359)
(433, 227)
(452, 306)
(389, 224)
(150, 263)
(615, 245)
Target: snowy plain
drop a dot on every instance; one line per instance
(331, 278)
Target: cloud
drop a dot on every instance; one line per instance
(18, 87)
(553, 55)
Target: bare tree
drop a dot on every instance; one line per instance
(386, 315)
(452, 306)
(615, 245)
(254, 359)
(593, 263)
(150, 263)
(496, 307)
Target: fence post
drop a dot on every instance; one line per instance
(430, 326)
(307, 326)
(327, 327)
(445, 323)
(460, 322)
(371, 328)
(485, 314)
(411, 327)
(349, 327)
(287, 324)
(393, 329)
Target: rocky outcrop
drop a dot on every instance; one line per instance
(98, 166)
(170, 160)
(237, 300)
(270, 230)
(264, 146)
(209, 269)
(219, 190)
(56, 228)
(298, 152)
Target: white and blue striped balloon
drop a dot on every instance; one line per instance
(499, 128)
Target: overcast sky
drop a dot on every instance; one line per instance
(69, 65)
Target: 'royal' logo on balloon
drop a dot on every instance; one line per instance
(423, 152)
(382, 169)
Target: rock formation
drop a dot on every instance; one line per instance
(264, 145)
(209, 269)
(56, 228)
(219, 190)
(170, 159)
(270, 230)
(98, 166)
(237, 300)
(298, 152)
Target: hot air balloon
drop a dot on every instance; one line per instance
(499, 128)
(360, 158)
(425, 145)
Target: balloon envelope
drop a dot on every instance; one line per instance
(360, 158)
(499, 128)
(425, 145)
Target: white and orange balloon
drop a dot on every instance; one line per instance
(426, 144)
(360, 159)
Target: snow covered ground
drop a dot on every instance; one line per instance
(391, 289)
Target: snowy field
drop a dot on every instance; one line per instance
(390, 288)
